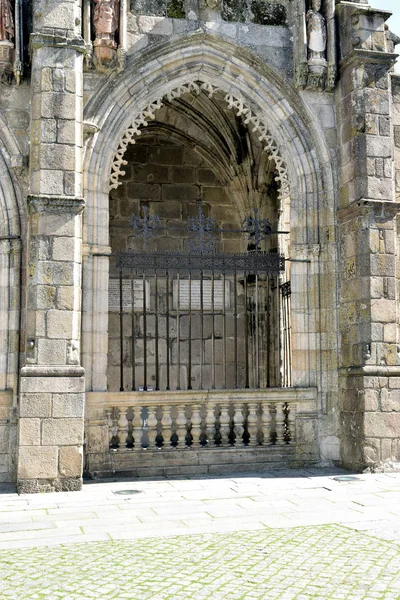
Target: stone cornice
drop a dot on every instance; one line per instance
(362, 207)
(39, 40)
(56, 204)
(359, 55)
(371, 371)
(52, 371)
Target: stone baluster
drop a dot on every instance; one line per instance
(252, 421)
(109, 425)
(280, 424)
(181, 428)
(273, 434)
(166, 425)
(210, 424)
(137, 429)
(238, 425)
(287, 433)
(224, 423)
(266, 424)
(122, 427)
(196, 426)
(292, 422)
(152, 426)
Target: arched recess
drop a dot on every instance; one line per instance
(11, 225)
(273, 102)
(11, 232)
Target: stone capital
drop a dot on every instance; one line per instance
(55, 204)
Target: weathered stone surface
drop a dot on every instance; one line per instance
(38, 462)
(35, 405)
(62, 432)
(68, 405)
(70, 462)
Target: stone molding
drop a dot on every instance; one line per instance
(386, 209)
(371, 371)
(52, 371)
(237, 104)
(370, 56)
(39, 40)
(55, 204)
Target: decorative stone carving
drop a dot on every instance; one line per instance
(7, 34)
(316, 57)
(316, 32)
(316, 46)
(105, 23)
(237, 104)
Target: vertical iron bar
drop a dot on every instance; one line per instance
(121, 335)
(235, 328)
(246, 332)
(156, 331)
(289, 301)
(257, 337)
(167, 328)
(189, 385)
(144, 334)
(268, 335)
(178, 336)
(224, 330)
(284, 325)
(201, 330)
(133, 335)
(212, 332)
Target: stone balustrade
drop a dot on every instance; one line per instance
(132, 432)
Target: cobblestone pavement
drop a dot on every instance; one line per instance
(279, 535)
(320, 562)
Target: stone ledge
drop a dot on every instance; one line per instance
(371, 370)
(52, 371)
(55, 204)
(358, 55)
(38, 40)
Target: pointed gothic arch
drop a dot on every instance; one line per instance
(270, 103)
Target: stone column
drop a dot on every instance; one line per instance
(369, 398)
(52, 382)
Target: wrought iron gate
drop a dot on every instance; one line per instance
(201, 319)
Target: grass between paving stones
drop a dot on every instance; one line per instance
(317, 562)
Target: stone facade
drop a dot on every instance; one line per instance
(108, 108)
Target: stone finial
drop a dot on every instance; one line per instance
(7, 34)
(391, 39)
(106, 24)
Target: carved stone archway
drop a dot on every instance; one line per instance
(272, 107)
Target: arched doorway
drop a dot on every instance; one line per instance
(199, 291)
(127, 420)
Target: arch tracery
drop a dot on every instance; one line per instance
(237, 104)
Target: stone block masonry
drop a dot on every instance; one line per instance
(52, 384)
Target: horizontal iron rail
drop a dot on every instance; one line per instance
(271, 263)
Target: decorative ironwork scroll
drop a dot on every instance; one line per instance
(271, 262)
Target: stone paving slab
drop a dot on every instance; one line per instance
(299, 535)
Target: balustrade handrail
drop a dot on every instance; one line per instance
(178, 397)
